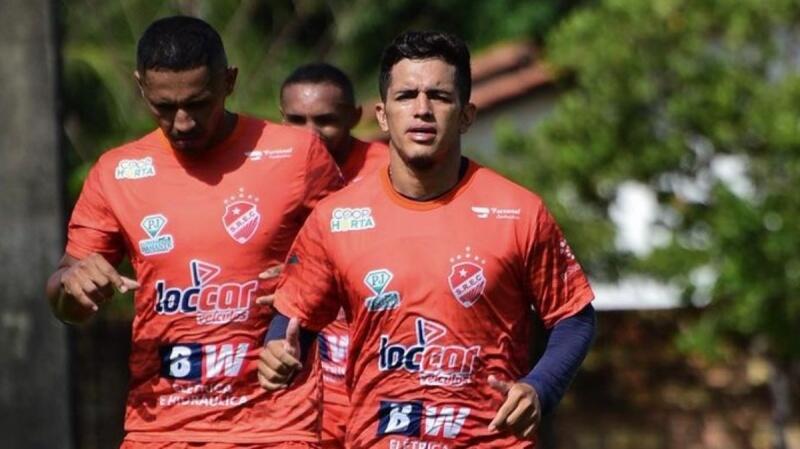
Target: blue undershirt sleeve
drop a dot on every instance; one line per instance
(277, 331)
(566, 348)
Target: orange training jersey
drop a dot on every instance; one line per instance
(438, 295)
(364, 158)
(198, 231)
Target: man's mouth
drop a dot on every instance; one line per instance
(422, 134)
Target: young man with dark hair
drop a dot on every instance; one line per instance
(320, 97)
(199, 206)
(437, 263)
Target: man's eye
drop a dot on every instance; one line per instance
(295, 120)
(324, 120)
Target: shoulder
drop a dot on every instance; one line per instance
(131, 160)
(279, 135)
(354, 195)
(493, 196)
(375, 146)
(490, 184)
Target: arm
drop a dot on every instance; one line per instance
(566, 348)
(561, 295)
(538, 392)
(78, 287)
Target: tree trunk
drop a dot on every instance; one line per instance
(781, 401)
(34, 382)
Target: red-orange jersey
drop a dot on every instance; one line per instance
(438, 296)
(198, 230)
(364, 158)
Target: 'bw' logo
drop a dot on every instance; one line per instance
(466, 279)
(241, 216)
(406, 418)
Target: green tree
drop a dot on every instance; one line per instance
(698, 101)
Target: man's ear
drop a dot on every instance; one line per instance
(356, 115)
(139, 81)
(231, 73)
(380, 114)
(468, 114)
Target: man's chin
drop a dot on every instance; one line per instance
(420, 162)
(188, 146)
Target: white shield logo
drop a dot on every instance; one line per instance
(467, 282)
(241, 220)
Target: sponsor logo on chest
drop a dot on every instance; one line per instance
(415, 420)
(436, 364)
(498, 213)
(346, 219)
(135, 168)
(378, 281)
(276, 153)
(210, 303)
(156, 243)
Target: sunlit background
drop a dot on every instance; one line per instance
(664, 135)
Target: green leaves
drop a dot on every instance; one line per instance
(663, 93)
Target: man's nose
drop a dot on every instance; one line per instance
(422, 106)
(183, 122)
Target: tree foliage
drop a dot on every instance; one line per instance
(700, 102)
(266, 40)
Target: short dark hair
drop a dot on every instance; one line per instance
(427, 45)
(318, 73)
(180, 43)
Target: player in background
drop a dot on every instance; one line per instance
(437, 263)
(198, 205)
(320, 97)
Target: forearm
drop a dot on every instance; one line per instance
(566, 348)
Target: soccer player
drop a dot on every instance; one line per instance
(437, 263)
(320, 97)
(198, 205)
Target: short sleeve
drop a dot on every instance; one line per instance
(558, 286)
(93, 228)
(307, 287)
(322, 175)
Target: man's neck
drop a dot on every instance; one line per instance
(341, 154)
(423, 185)
(228, 125)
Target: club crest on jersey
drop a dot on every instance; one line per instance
(467, 280)
(155, 243)
(377, 281)
(135, 168)
(210, 303)
(345, 219)
(436, 364)
(241, 217)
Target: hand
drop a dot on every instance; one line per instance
(521, 411)
(278, 360)
(268, 275)
(90, 282)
